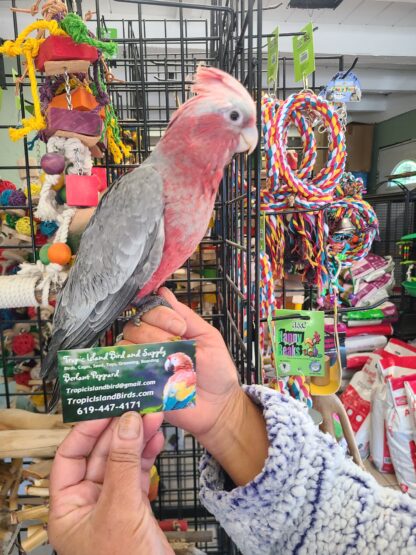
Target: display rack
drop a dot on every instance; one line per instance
(152, 77)
(153, 72)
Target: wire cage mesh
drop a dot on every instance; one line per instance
(396, 216)
(152, 75)
(153, 69)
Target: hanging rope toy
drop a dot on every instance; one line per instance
(353, 223)
(29, 48)
(267, 298)
(299, 389)
(75, 27)
(270, 108)
(320, 187)
(34, 283)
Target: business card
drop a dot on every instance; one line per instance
(108, 381)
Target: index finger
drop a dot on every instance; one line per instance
(70, 464)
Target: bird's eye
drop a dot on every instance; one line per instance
(234, 115)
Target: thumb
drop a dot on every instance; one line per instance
(122, 480)
(195, 325)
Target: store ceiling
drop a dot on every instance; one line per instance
(354, 12)
(389, 13)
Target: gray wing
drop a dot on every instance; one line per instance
(120, 250)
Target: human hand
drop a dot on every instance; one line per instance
(224, 420)
(218, 389)
(99, 485)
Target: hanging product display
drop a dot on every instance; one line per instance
(315, 223)
(72, 113)
(299, 202)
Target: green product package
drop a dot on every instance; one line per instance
(304, 53)
(109, 381)
(298, 342)
(370, 314)
(273, 57)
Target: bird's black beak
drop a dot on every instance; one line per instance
(169, 366)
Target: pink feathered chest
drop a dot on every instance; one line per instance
(186, 220)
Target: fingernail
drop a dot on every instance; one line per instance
(177, 327)
(129, 426)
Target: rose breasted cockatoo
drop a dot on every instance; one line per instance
(180, 389)
(152, 219)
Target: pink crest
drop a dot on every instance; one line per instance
(209, 79)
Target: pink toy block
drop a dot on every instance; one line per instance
(101, 174)
(81, 190)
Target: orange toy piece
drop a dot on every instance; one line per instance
(82, 100)
(59, 253)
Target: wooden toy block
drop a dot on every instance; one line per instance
(33, 172)
(63, 49)
(81, 190)
(97, 151)
(87, 140)
(81, 99)
(87, 126)
(70, 66)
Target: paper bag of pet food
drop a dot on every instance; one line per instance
(390, 365)
(357, 396)
(401, 433)
(398, 359)
(357, 402)
(410, 388)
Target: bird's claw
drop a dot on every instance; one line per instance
(146, 305)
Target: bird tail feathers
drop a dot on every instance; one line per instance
(49, 368)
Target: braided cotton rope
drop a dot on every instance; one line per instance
(339, 194)
(275, 230)
(320, 187)
(45, 277)
(40, 277)
(18, 292)
(267, 298)
(76, 28)
(349, 205)
(300, 390)
(269, 114)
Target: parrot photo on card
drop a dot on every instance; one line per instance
(150, 221)
(180, 390)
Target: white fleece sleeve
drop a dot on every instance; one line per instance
(309, 499)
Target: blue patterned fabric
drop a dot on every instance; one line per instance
(309, 499)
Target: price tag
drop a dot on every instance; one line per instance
(109, 33)
(109, 381)
(303, 53)
(273, 57)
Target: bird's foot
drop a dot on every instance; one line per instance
(147, 304)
